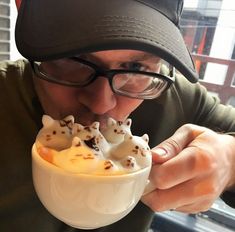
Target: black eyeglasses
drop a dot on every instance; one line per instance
(76, 72)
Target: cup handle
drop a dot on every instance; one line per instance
(148, 188)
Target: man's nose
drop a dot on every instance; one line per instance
(98, 96)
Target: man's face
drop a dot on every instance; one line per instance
(95, 102)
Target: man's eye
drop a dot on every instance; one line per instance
(134, 66)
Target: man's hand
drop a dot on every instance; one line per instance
(191, 169)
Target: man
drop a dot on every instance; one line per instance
(89, 58)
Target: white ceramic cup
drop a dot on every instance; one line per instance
(86, 201)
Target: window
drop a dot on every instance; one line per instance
(8, 12)
(208, 27)
(4, 29)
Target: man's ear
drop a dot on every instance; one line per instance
(18, 3)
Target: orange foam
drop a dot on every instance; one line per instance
(46, 153)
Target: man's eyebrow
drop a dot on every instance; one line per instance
(143, 57)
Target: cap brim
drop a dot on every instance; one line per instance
(54, 29)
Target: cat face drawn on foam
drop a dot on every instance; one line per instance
(88, 160)
(80, 146)
(56, 134)
(77, 158)
(133, 146)
(92, 136)
(86, 132)
(116, 130)
(129, 163)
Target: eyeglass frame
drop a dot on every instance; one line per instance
(101, 72)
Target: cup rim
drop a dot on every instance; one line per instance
(36, 157)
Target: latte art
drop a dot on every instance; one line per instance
(87, 150)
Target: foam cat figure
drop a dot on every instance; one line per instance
(80, 158)
(116, 130)
(92, 136)
(133, 152)
(56, 134)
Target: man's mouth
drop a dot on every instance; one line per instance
(85, 117)
(88, 119)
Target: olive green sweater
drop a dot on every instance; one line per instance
(20, 114)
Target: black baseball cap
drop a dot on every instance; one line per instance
(54, 29)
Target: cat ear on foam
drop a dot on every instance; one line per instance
(145, 137)
(47, 120)
(95, 125)
(111, 122)
(76, 142)
(77, 128)
(128, 122)
(69, 118)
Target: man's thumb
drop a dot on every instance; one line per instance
(172, 146)
(160, 155)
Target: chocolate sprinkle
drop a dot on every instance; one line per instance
(88, 156)
(108, 164)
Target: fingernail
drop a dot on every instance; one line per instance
(160, 151)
